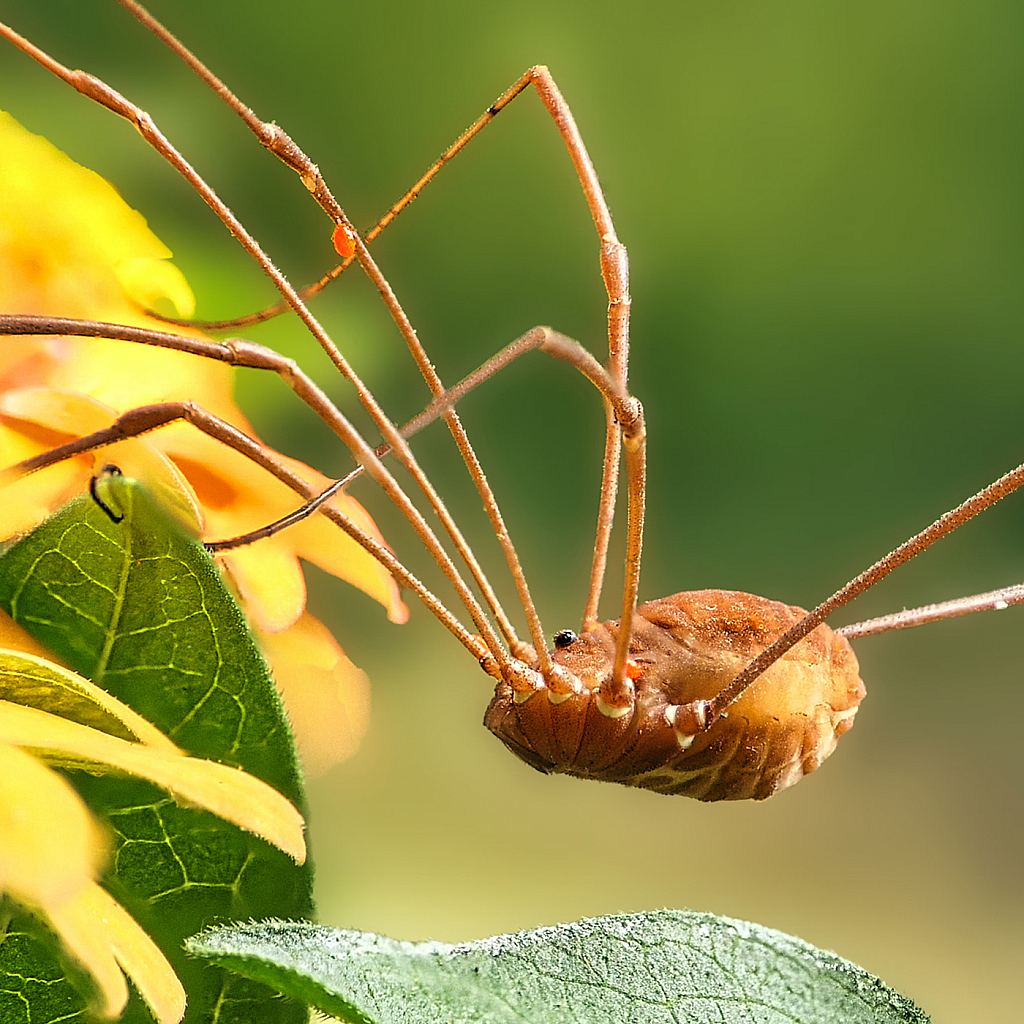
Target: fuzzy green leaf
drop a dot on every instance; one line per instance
(663, 967)
(139, 608)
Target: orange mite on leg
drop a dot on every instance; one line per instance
(344, 239)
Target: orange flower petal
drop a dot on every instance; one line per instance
(66, 412)
(269, 581)
(316, 541)
(91, 256)
(16, 638)
(239, 496)
(327, 698)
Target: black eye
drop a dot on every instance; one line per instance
(565, 638)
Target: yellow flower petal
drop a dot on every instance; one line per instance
(91, 256)
(139, 956)
(350, 562)
(74, 920)
(52, 849)
(51, 845)
(40, 683)
(105, 939)
(28, 501)
(64, 412)
(74, 414)
(237, 496)
(125, 375)
(227, 792)
(72, 249)
(327, 697)
(149, 281)
(269, 582)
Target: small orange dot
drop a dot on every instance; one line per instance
(634, 670)
(344, 239)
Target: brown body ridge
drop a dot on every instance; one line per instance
(684, 648)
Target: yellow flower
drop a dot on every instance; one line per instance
(69, 246)
(52, 847)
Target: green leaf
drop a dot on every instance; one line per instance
(33, 986)
(665, 967)
(139, 608)
(32, 682)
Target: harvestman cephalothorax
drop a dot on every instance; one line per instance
(713, 694)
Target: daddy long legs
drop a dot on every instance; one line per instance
(716, 519)
(649, 705)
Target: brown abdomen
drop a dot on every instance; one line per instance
(689, 646)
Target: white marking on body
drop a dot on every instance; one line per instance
(793, 772)
(684, 739)
(611, 712)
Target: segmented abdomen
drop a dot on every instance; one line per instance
(688, 647)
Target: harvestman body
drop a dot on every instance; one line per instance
(712, 694)
(686, 648)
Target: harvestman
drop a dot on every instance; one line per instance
(713, 694)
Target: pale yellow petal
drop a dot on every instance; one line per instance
(40, 683)
(74, 920)
(227, 792)
(139, 956)
(50, 845)
(269, 581)
(327, 697)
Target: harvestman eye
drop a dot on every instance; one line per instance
(565, 638)
(714, 694)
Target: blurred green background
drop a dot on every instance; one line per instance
(822, 203)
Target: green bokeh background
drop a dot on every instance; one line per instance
(822, 203)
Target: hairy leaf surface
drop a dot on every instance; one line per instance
(664, 967)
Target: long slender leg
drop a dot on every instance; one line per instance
(151, 417)
(278, 142)
(702, 714)
(243, 353)
(614, 269)
(93, 88)
(614, 265)
(615, 272)
(992, 600)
